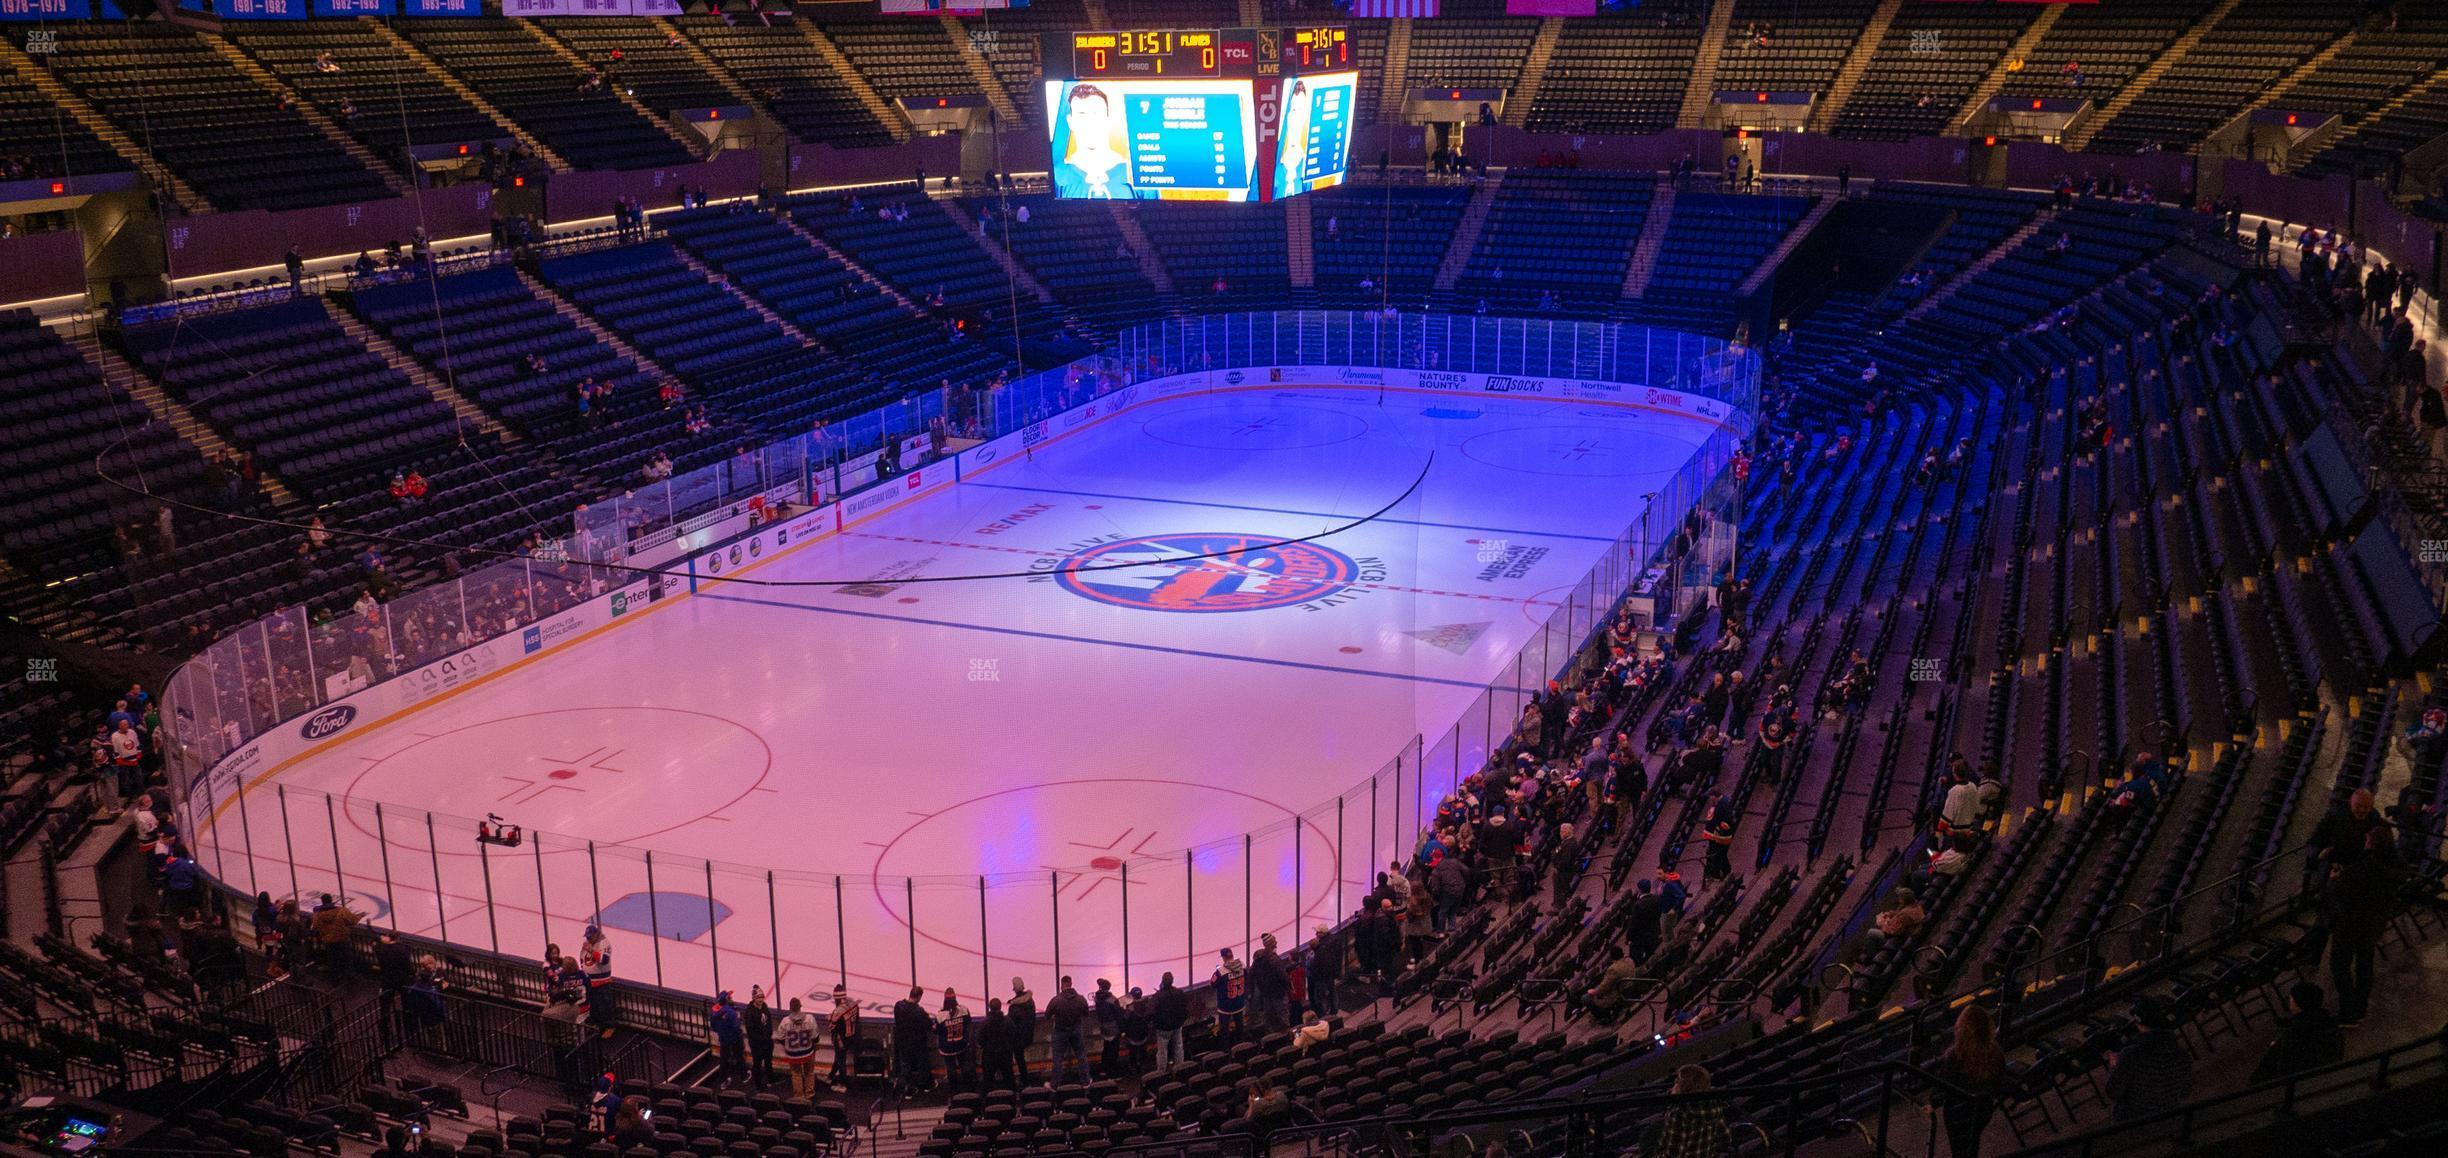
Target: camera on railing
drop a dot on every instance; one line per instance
(492, 830)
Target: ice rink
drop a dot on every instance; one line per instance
(981, 775)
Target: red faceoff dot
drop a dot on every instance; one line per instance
(1105, 864)
(563, 773)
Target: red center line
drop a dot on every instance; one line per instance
(1038, 554)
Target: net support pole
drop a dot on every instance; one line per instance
(1189, 910)
(543, 907)
(280, 794)
(985, 948)
(713, 928)
(1054, 886)
(594, 886)
(331, 823)
(654, 917)
(246, 834)
(773, 930)
(841, 931)
(433, 848)
(909, 893)
(484, 862)
(1249, 890)
(382, 842)
(1337, 886)
(1126, 960)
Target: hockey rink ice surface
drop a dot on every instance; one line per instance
(882, 749)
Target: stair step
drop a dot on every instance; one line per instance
(1466, 233)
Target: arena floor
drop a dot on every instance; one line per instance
(901, 768)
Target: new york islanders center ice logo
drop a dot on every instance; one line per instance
(1257, 575)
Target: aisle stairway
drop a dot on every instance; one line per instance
(1394, 75)
(1995, 82)
(1466, 233)
(713, 68)
(1702, 87)
(410, 52)
(64, 99)
(1300, 254)
(747, 301)
(1533, 74)
(689, 139)
(2277, 91)
(307, 112)
(594, 329)
(992, 243)
(2078, 135)
(980, 70)
(119, 372)
(1997, 253)
(1151, 267)
(885, 112)
(415, 371)
(1652, 240)
(1768, 265)
(1823, 115)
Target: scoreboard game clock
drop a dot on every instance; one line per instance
(1318, 50)
(1149, 53)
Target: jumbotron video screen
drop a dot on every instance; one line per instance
(1236, 114)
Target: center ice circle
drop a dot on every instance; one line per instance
(1206, 572)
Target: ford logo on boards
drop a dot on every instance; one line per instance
(328, 722)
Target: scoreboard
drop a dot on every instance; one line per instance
(1212, 114)
(1144, 53)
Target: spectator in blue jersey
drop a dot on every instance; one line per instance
(730, 1041)
(952, 1042)
(1231, 996)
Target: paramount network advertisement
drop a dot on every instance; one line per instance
(1313, 146)
(1152, 140)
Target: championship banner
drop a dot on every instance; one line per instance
(46, 9)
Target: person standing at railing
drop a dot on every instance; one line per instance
(595, 957)
(911, 1029)
(1068, 1013)
(757, 1022)
(1168, 1011)
(845, 1029)
(723, 1027)
(1231, 996)
(796, 1033)
(1022, 1010)
(995, 1049)
(952, 1033)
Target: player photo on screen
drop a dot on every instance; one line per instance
(1314, 142)
(1088, 143)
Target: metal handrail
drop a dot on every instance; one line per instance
(1586, 1109)
(2187, 1118)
